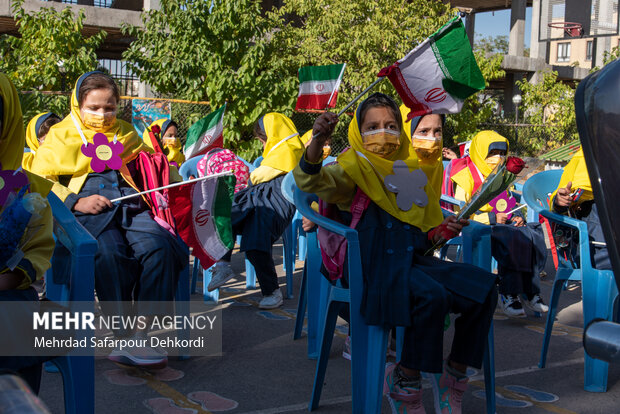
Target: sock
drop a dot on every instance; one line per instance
(455, 373)
(407, 382)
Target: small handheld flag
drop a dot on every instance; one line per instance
(205, 134)
(318, 86)
(439, 74)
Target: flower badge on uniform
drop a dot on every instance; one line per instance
(103, 153)
(10, 180)
(408, 186)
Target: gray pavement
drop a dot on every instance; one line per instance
(263, 370)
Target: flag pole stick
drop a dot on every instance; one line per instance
(357, 98)
(344, 65)
(206, 177)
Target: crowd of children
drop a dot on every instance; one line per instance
(393, 165)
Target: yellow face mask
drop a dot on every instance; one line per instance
(426, 147)
(171, 142)
(381, 142)
(97, 121)
(494, 160)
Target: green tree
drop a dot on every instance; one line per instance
(492, 44)
(221, 53)
(549, 107)
(49, 55)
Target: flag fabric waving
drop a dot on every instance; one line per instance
(318, 86)
(439, 74)
(205, 134)
(202, 214)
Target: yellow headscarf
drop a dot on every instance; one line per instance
(61, 154)
(32, 137)
(279, 154)
(12, 138)
(576, 172)
(369, 178)
(478, 152)
(174, 151)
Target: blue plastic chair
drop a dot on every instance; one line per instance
(368, 353)
(189, 168)
(78, 372)
(598, 288)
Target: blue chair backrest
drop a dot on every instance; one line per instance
(189, 167)
(537, 188)
(288, 187)
(258, 161)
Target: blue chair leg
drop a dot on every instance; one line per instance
(181, 305)
(489, 372)
(250, 275)
(195, 270)
(78, 376)
(207, 296)
(560, 279)
(289, 259)
(367, 375)
(302, 304)
(301, 245)
(326, 344)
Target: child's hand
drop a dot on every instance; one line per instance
(564, 198)
(93, 204)
(324, 127)
(518, 221)
(448, 229)
(10, 280)
(501, 218)
(307, 225)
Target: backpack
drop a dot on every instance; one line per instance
(219, 160)
(334, 246)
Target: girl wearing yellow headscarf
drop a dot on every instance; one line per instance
(27, 246)
(168, 138)
(402, 287)
(36, 130)
(574, 197)
(519, 282)
(92, 153)
(260, 212)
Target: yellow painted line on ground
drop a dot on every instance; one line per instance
(165, 390)
(507, 393)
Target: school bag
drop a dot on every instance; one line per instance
(334, 246)
(220, 160)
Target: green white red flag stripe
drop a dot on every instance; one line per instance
(439, 74)
(205, 134)
(202, 213)
(318, 86)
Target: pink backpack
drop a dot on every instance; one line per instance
(334, 246)
(219, 160)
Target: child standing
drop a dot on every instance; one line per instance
(402, 287)
(35, 241)
(92, 152)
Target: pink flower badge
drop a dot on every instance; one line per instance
(103, 153)
(10, 180)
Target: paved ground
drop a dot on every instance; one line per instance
(262, 370)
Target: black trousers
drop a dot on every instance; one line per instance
(265, 269)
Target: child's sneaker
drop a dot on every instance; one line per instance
(220, 274)
(448, 392)
(272, 301)
(536, 304)
(403, 399)
(511, 306)
(346, 351)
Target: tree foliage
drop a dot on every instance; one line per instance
(550, 109)
(221, 53)
(51, 51)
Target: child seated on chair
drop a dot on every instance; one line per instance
(402, 286)
(574, 197)
(31, 237)
(93, 153)
(167, 138)
(36, 132)
(518, 247)
(260, 213)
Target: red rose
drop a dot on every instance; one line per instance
(156, 129)
(515, 165)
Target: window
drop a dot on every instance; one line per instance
(563, 52)
(589, 50)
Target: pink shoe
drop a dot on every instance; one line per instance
(448, 392)
(403, 400)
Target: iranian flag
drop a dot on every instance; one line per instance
(318, 86)
(202, 214)
(205, 134)
(439, 74)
